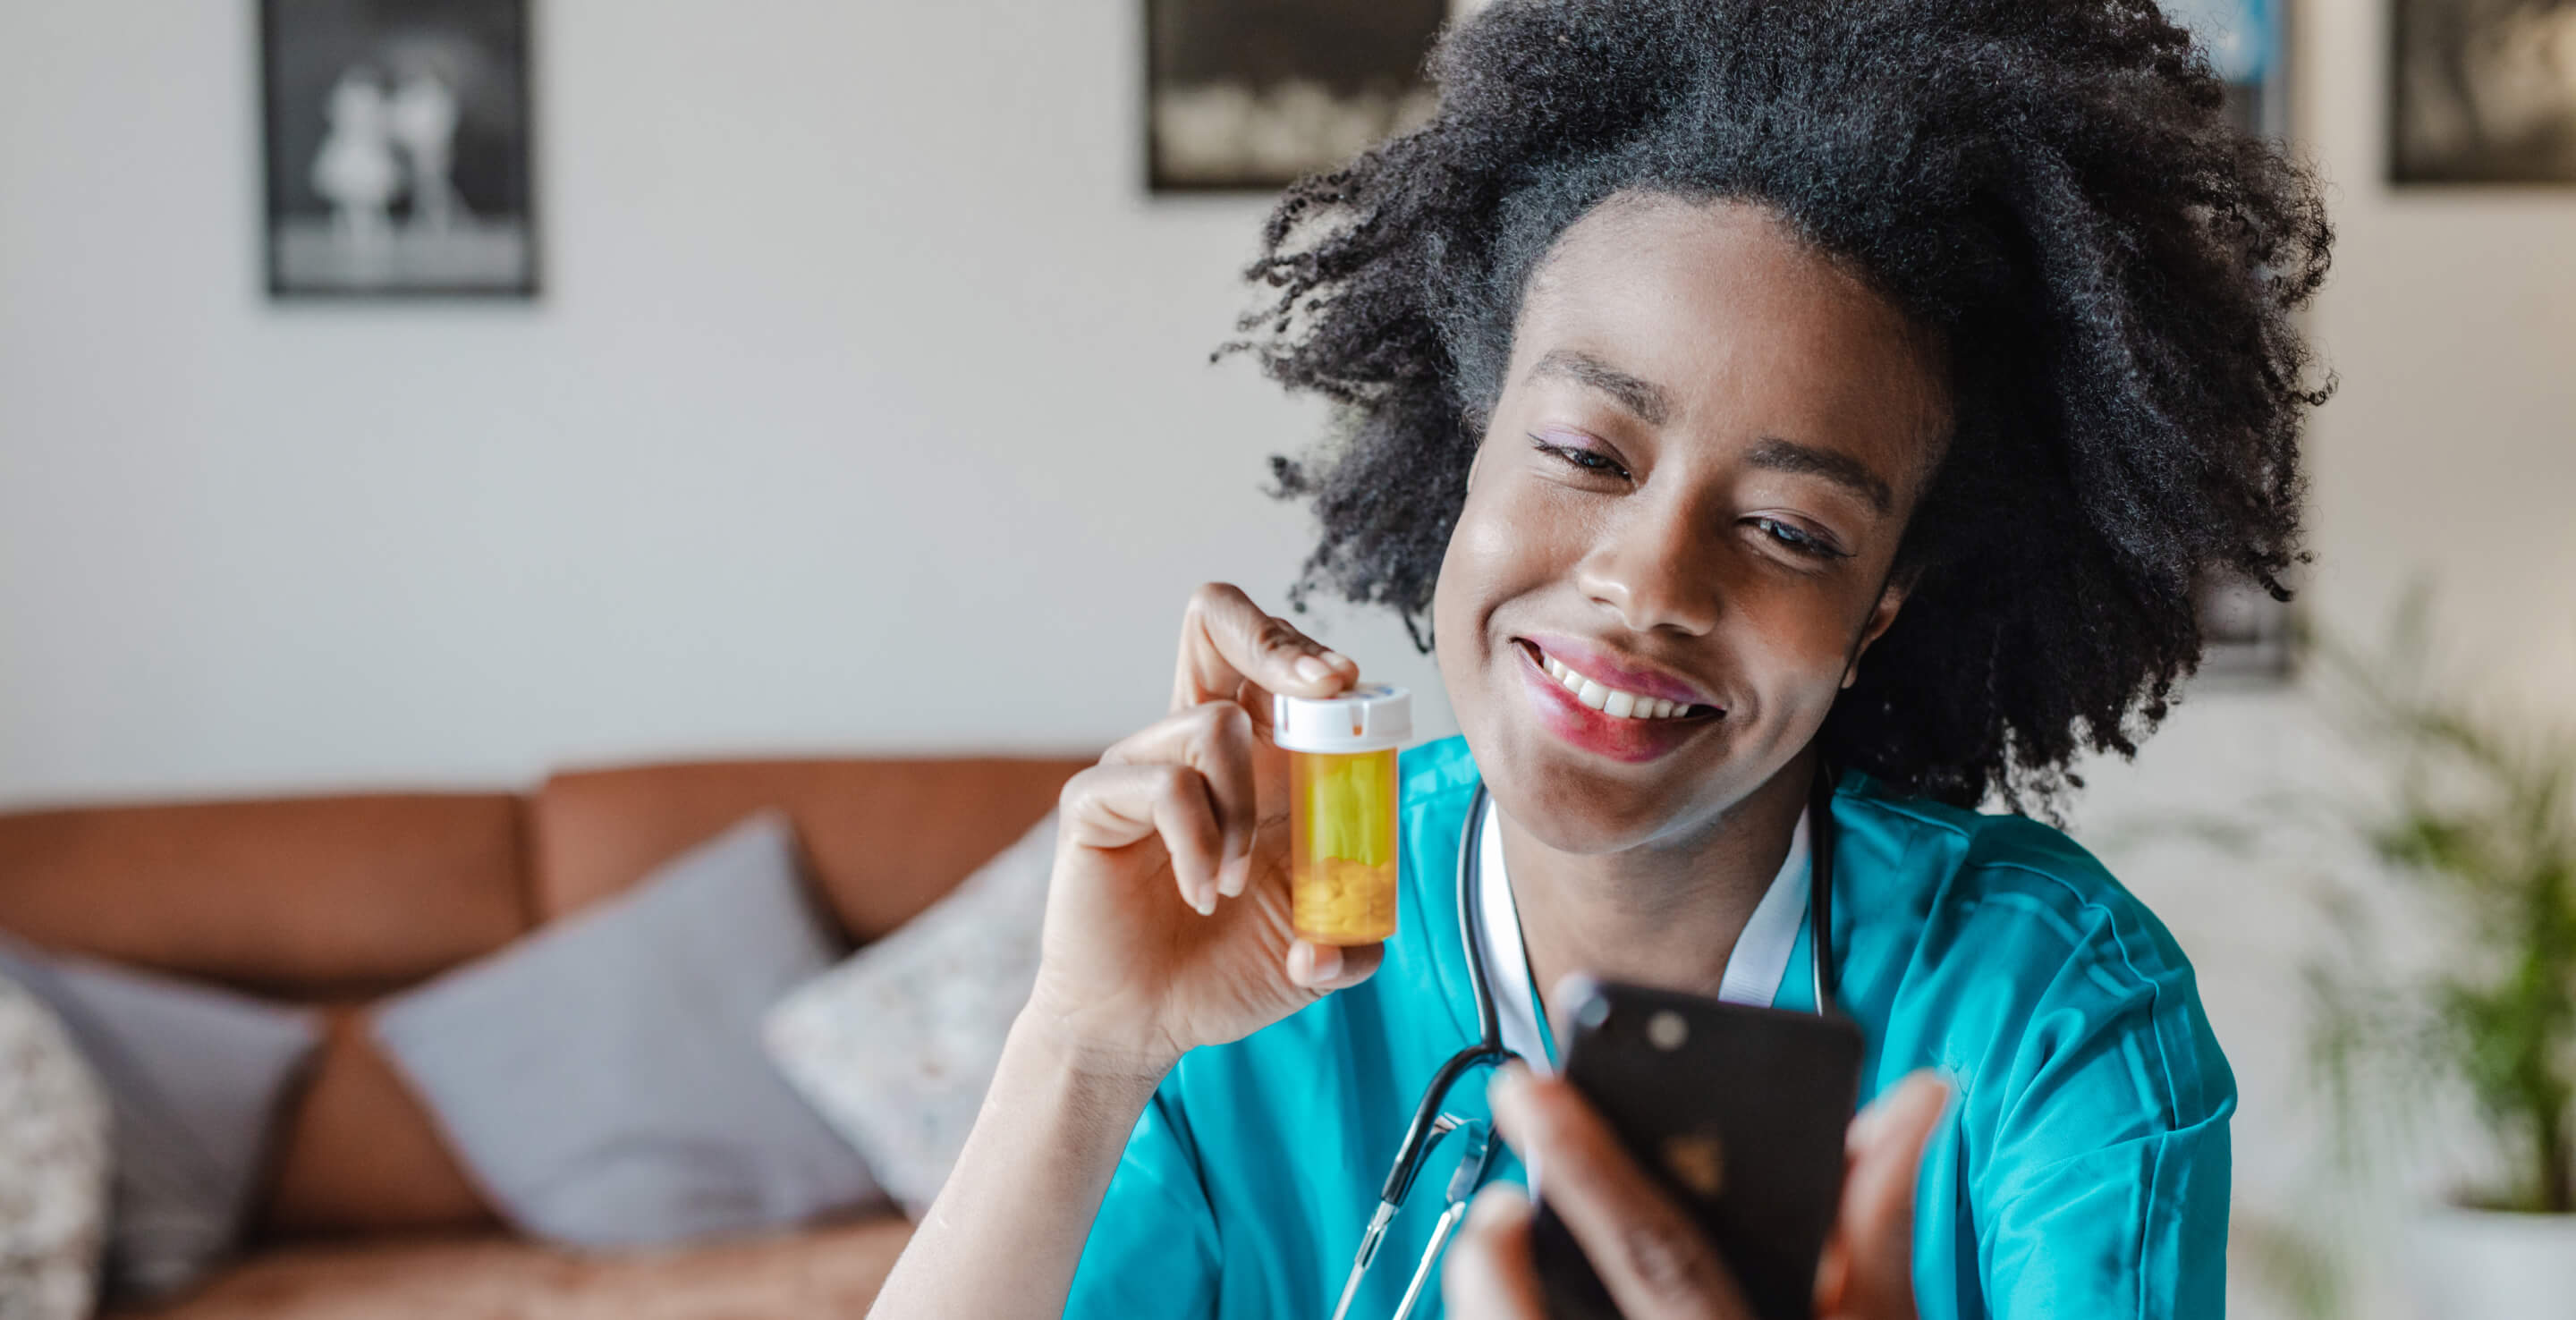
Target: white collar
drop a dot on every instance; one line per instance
(1753, 970)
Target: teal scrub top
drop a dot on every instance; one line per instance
(2082, 1169)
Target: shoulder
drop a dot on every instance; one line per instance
(1438, 772)
(2037, 953)
(1435, 783)
(1960, 868)
(1979, 856)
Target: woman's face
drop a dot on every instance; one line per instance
(1680, 526)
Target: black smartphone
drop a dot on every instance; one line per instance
(1737, 1111)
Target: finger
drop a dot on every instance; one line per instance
(1653, 1259)
(1489, 1274)
(1118, 806)
(1325, 968)
(1872, 1267)
(1214, 738)
(1226, 640)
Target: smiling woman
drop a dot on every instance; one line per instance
(1797, 421)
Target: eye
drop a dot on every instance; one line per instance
(1576, 456)
(1798, 539)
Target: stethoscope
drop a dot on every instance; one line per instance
(1431, 1122)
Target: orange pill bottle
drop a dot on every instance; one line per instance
(1342, 801)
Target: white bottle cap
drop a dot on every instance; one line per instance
(1369, 718)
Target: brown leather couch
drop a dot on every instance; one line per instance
(339, 901)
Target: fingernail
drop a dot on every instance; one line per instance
(1336, 659)
(1327, 963)
(1313, 669)
(1864, 1125)
(1508, 1092)
(1498, 1204)
(1206, 901)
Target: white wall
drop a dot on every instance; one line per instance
(867, 407)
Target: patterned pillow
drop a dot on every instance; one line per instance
(896, 1045)
(53, 1166)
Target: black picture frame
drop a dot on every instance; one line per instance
(1250, 95)
(2475, 94)
(397, 150)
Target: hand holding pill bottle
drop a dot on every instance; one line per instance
(1342, 810)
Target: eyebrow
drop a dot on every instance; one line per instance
(1778, 455)
(1643, 397)
(1654, 407)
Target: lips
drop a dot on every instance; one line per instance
(1575, 690)
(1614, 671)
(1617, 703)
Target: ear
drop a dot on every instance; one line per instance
(1891, 598)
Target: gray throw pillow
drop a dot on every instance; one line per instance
(194, 1077)
(604, 1078)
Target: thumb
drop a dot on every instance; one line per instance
(1325, 968)
(1868, 1273)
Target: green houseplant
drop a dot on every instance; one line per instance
(2481, 825)
(2464, 851)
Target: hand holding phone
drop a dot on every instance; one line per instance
(1736, 1113)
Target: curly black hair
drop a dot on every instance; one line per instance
(2052, 188)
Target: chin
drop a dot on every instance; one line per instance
(1578, 804)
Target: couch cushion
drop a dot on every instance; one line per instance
(883, 839)
(361, 1153)
(821, 1272)
(299, 897)
(604, 1078)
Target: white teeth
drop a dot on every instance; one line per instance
(1609, 700)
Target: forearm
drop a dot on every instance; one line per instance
(1008, 1227)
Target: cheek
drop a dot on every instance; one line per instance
(1796, 640)
(1496, 552)
(1500, 547)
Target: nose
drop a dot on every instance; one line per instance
(1649, 564)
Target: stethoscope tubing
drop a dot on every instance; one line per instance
(1488, 1049)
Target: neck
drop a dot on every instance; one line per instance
(1666, 915)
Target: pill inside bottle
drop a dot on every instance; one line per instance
(1342, 810)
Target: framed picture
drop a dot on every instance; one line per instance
(2248, 45)
(2482, 91)
(2245, 634)
(1248, 95)
(396, 140)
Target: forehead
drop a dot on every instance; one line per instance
(1747, 327)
